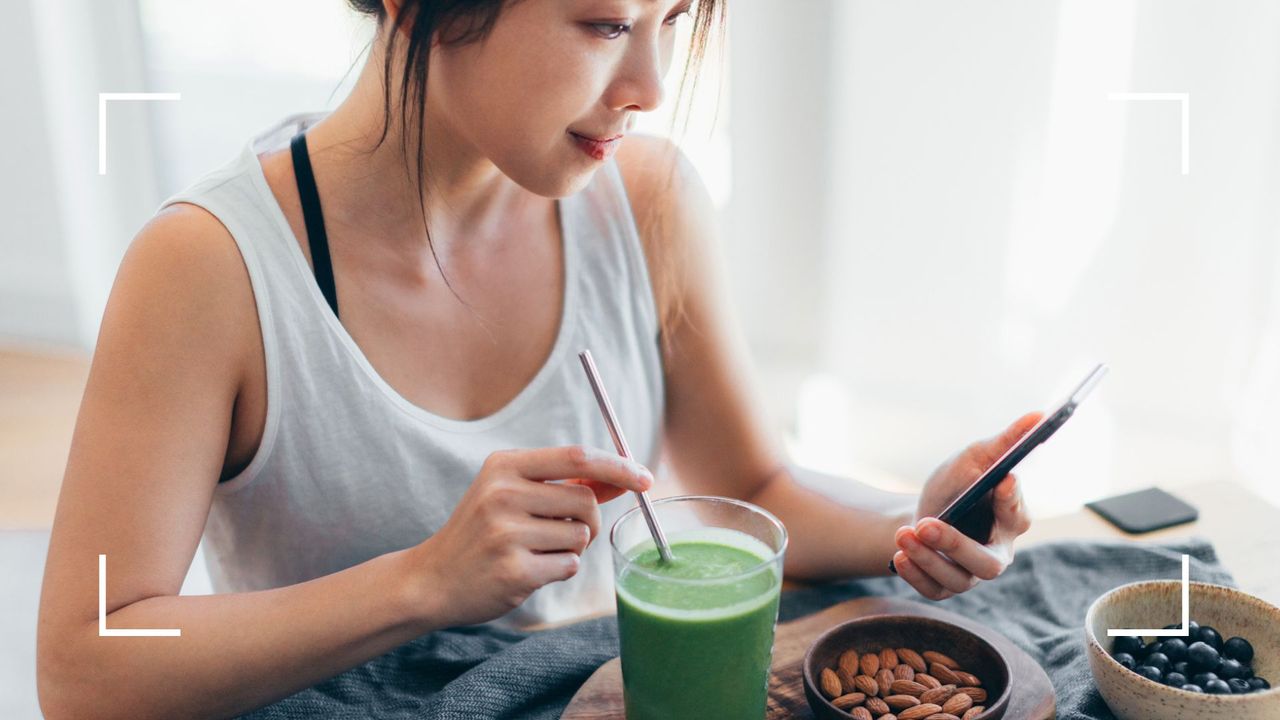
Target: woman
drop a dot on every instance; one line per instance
(365, 402)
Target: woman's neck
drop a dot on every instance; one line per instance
(467, 198)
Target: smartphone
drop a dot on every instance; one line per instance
(1144, 511)
(972, 513)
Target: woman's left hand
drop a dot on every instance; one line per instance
(937, 559)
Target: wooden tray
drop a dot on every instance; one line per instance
(600, 698)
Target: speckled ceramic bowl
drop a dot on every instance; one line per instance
(1158, 603)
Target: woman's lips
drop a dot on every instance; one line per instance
(597, 148)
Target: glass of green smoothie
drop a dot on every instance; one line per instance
(696, 634)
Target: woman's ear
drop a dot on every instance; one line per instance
(392, 10)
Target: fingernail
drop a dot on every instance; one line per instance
(909, 542)
(930, 533)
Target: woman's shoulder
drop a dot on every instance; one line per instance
(183, 278)
(674, 214)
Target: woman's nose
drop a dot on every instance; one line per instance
(638, 85)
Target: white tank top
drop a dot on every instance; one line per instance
(348, 469)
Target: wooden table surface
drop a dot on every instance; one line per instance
(1239, 523)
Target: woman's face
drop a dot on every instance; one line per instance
(549, 73)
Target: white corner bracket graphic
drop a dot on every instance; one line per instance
(1186, 612)
(102, 612)
(1185, 100)
(102, 118)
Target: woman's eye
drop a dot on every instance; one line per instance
(610, 31)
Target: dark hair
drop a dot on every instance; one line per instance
(458, 22)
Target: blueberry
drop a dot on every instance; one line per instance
(1175, 626)
(1210, 637)
(1182, 667)
(1193, 627)
(1230, 669)
(1202, 656)
(1126, 644)
(1126, 661)
(1259, 684)
(1238, 686)
(1175, 649)
(1160, 662)
(1237, 648)
(1217, 687)
(1192, 688)
(1174, 679)
(1150, 673)
(1202, 679)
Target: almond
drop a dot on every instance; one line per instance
(973, 712)
(848, 661)
(890, 716)
(912, 658)
(901, 702)
(888, 658)
(830, 684)
(942, 716)
(860, 713)
(927, 680)
(919, 712)
(931, 657)
(866, 685)
(846, 680)
(968, 679)
(938, 695)
(978, 694)
(907, 687)
(944, 674)
(884, 679)
(903, 672)
(957, 704)
(848, 700)
(870, 664)
(877, 706)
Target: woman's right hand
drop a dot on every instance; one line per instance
(513, 532)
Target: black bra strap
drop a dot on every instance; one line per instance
(316, 237)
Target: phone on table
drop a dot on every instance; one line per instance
(972, 513)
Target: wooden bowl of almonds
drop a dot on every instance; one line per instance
(902, 667)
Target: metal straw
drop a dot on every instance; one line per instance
(620, 442)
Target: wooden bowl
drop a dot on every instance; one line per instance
(1158, 603)
(870, 634)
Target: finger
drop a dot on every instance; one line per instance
(556, 501)
(553, 566)
(917, 579)
(546, 535)
(603, 492)
(579, 462)
(1011, 513)
(943, 571)
(992, 449)
(967, 554)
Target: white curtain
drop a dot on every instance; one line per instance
(994, 222)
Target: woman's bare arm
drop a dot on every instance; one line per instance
(178, 336)
(710, 385)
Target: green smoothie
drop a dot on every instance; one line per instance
(698, 650)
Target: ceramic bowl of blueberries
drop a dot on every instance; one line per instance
(1222, 668)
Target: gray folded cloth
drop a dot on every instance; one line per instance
(475, 672)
